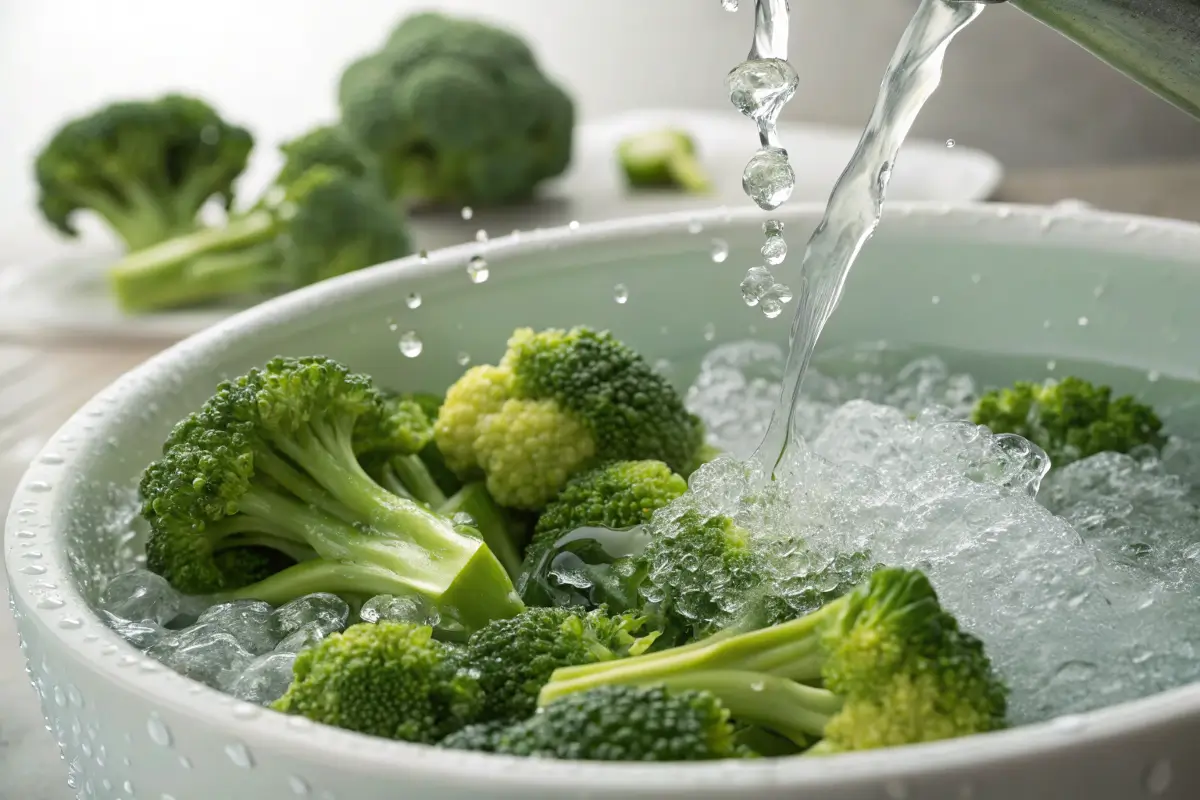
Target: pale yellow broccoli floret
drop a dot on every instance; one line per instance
(479, 392)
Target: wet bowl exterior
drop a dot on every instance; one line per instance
(984, 278)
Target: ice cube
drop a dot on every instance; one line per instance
(141, 595)
(203, 652)
(328, 611)
(142, 635)
(307, 635)
(264, 680)
(250, 622)
(400, 608)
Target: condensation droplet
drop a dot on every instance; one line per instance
(185, 762)
(1158, 777)
(26, 534)
(298, 786)
(33, 569)
(467, 212)
(128, 787)
(720, 251)
(621, 294)
(158, 731)
(246, 711)
(50, 603)
(51, 458)
(413, 300)
(463, 358)
(70, 623)
(32, 555)
(935, 300)
(38, 486)
(950, 143)
(239, 754)
(477, 269)
(410, 344)
(60, 697)
(1083, 322)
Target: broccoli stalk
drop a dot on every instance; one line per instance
(325, 224)
(271, 463)
(498, 532)
(665, 158)
(884, 665)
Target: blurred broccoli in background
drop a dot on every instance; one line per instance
(146, 167)
(1070, 419)
(662, 159)
(458, 112)
(325, 146)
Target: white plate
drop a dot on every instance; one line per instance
(66, 297)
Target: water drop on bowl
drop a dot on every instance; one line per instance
(410, 344)
(158, 731)
(413, 300)
(477, 269)
(38, 486)
(239, 754)
(621, 294)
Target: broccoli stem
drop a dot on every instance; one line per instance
(416, 478)
(139, 221)
(199, 267)
(475, 501)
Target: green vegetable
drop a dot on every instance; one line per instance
(326, 146)
(325, 224)
(390, 679)
(514, 658)
(615, 723)
(1070, 419)
(883, 666)
(271, 462)
(146, 168)
(503, 535)
(458, 112)
(662, 159)
(559, 403)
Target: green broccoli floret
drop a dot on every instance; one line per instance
(559, 403)
(1070, 419)
(616, 496)
(394, 461)
(458, 111)
(325, 224)
(271, 461)
(662, 159)
(431, 404)
(389, 679)
(615, 723)
(514, 658)
(146, 167)
(326, 146)
(885, 665)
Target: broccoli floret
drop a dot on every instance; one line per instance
(270, 462)
(388, 679)
(892, 667)
(326, 146)
(559, 403)
(616, 496)
(449, 483)
(662, 159)
(514, 658)
(1070, 419)
(458, 111)
(325, 224)
(146, 167)
(615, 723)
(392, 456)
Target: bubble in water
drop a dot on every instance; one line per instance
(467, 212)
(481, 235)
(410, 344)
(729, 5)
(720, 251)
(769, 179)
(774, 250)
(757, 282)
(760, 88)
(695, 226)
(413, 300)
(477, 269)
(950, 143)
(463, 358)
(621, 293)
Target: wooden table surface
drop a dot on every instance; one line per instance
(40, 386)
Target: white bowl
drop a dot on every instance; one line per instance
(130, 728)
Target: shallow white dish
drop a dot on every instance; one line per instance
(64, 295)
(121, 718)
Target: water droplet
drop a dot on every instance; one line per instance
(1083, 321)
(757, 282)
(463, 358)
(1153, 376)
(70, 623)
(720, 251)
(573, 225)
(1158, 777)
(25, 512)
(760, 88)
(413, 300)
(710, 332)
(38, 486)
(128, 787)
(695, 226)
(50, 603)
(1051, 365)
(467, 212)
(167, 797)
(729, 5)
(26, 534)
(769, 179)
(298, 785)
(300, 723)
(621, 294)
(950, 143)
(935, 299)
(51, 458)
(771, 307)
(60, 697)
(976, 278)
(32, 555)
(481, 235)
(246, 711)
(185, 762)
(1132, 228)
(33, 569)
(239, 755)
(410, 344)
(1046, 324)
(1099, 291)
(774, 249)
(477, 269)
(393, 327)
(423, 257)
(158, 731)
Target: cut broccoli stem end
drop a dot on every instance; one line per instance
(687, 173)
(490, 521)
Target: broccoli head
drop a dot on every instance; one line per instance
(458, 111)
(146, 168)
(614, 723)
(662, 159)
(325, 224)
(326, 146)
(388, 679)
(559, 403)
(514, 658)
(271, 462)
(882, 666)
(1070, 419)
